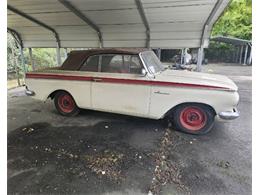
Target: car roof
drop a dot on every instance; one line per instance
(77, 57)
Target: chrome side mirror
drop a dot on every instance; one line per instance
(143, 72)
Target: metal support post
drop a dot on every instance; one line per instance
(245, 56)
(31, 58)
(237, 54)
(250, 56)
(159, 53)
(58, 55)
(17, 70)
(66, 52)
(200, 58)
(241, 53)
(145, 21)
(22, 59)
(182, 56)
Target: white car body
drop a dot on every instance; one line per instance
(150, 95)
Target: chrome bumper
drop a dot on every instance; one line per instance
(229, 115)
(29, 92)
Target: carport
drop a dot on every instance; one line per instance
(105, 153)
(152, 24)
(242, 47)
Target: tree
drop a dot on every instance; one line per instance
(43, 57)
(236, 20)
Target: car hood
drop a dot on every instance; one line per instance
(196, 78)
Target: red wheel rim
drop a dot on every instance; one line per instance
(66, 103)
(193, 118)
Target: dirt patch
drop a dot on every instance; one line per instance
(107, 163)
(166, 171)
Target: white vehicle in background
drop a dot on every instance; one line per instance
(134, 82)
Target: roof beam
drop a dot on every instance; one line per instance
(145, 21)
(209, 20)
(35, 21)
(16, 36)
(78, 13)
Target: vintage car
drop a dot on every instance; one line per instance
(134, 82)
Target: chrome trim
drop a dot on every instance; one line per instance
(229, 115)
(163, 93)
(29, 92)
(143, 72)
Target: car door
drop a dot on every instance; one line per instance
(83, 89)
(118, 86)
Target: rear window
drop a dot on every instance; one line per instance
(74, 61)
(91, 64)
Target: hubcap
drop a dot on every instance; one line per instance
(193, 118)
(66, 103)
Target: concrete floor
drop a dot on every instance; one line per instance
(102, 153)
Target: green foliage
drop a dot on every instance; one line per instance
(42, 57)
(236, 21)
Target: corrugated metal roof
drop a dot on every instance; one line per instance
(172, 23)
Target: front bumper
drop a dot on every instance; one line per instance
(29, 92)
(229, 115)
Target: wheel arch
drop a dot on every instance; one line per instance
(52, 94)
(187, 103)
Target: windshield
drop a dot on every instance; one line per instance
(152, 62)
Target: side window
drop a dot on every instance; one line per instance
(130, 64)
(112, 63)
(91, 64)
(135, 66)
(127, 63)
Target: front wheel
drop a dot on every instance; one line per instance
(65, 104)
(193, 118)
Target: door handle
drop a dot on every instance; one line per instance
(96, 79)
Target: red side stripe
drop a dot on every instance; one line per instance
(58, 77)
(117, 80)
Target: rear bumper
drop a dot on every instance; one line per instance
(29, 92)
(229, 115)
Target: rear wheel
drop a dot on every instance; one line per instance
(65, 104)
(193, 118)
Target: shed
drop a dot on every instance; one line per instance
(242, 47)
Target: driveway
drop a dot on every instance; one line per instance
(103, 153)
